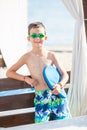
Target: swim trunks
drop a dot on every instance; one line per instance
(47, 103)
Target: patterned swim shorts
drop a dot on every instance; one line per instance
(47, 104)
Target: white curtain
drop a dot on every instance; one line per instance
(77, 94)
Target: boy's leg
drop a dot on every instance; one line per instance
(42, 106)
(60, 109)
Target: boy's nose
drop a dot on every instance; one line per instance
(37, 39)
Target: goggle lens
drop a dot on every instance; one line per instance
(35, 35)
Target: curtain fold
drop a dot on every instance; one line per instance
(77, 94)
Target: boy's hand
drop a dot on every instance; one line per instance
(57, 89)
(32, 82)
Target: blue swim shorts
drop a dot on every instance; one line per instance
(47, 104)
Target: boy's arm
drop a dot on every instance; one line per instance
(64, 79)
(61, 69)
(12, 71)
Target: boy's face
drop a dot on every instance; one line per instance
(37, 36)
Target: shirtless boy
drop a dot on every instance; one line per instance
(45, 101)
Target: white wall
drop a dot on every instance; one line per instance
(13, 29)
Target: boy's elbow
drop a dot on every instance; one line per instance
(7, 73)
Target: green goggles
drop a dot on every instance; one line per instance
(35, 35)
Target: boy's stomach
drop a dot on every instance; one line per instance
(41, 84)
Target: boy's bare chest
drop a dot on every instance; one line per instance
(40, 61)
(36, 65)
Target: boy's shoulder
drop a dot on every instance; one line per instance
(27, 54)
(51, 52)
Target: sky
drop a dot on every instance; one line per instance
(58, 21)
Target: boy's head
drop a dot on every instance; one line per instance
(36, 25)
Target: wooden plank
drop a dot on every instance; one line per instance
(15, 120)
(18, 119)
(85, 8)
(16, 101)
(86, 29)
(69, 72)
(12, 84)
(75, 123)
(2, 62)
(85, 15)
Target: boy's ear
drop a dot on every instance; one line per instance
(46, 37)
(28, 38)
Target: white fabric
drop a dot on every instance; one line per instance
(13, 30)
(77, 94)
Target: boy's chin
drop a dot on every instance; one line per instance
(38, 44)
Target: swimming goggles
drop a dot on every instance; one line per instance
(35, 35)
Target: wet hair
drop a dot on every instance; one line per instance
(35, 25)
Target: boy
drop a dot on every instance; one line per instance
(45, 101)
